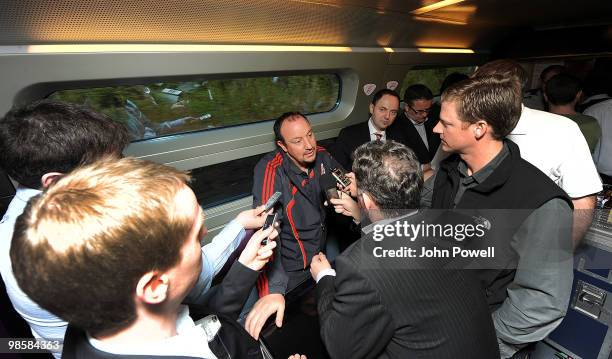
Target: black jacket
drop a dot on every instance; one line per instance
(352, 137)
(505, 198)
(303, 230)
(381, 308)
(409, 136)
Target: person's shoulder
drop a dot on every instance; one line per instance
(350, 256)
(543, 117)
(274, 158)
(599, 106)
(543, 120)
(580, 118)
(323, 154)
(351, 130)
(539, 182)
(399, 122)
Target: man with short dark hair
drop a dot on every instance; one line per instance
(114, 248)
(39, 143)
(383, 110)
(42, 141)
(562, 93)
(293, 169)
(534, 98)
(528, 287)
(415, 123)
(371, 307)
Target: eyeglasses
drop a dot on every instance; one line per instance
(420, 112)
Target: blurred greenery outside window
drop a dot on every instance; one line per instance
(432, 78)
(166, 108)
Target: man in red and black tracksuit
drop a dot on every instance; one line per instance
(294, 170)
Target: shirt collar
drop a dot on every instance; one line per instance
(373, 129)
(187, 333)
(416, 123)
(486, 171)
(293, 167)
(25, 193)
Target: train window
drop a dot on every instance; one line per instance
(158, 109)
(432, 78)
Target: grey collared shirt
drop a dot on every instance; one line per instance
(477, 178)
(467, 181)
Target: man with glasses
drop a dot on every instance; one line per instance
(415, 124)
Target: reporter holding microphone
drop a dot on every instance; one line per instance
(368, 309)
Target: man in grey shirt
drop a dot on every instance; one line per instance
(529, 299)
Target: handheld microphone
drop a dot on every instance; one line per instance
(328, 184)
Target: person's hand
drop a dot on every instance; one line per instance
(255, 255)
(319, 263)
(347, 206)
(352, 188)
(264, 308)
(253, 218)
(297, 356)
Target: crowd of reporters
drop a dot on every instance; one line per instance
(103, 253)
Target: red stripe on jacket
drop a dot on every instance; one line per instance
(266, 192)
(293, 229)
(269, 177)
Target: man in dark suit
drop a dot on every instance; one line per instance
(415, 124)
(383, 307)
(383, 109)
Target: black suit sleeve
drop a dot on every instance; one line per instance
(354, 323)
(229, 296)
(341, 150)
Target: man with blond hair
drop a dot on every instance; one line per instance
(114, 248)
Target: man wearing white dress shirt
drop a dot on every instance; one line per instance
(383, 110)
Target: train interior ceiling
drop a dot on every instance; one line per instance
(175, 53)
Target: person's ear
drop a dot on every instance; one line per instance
(578, 97)
(281, 145)
(480, 129)
(48, 178)
(371, 108)
(152, 288)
